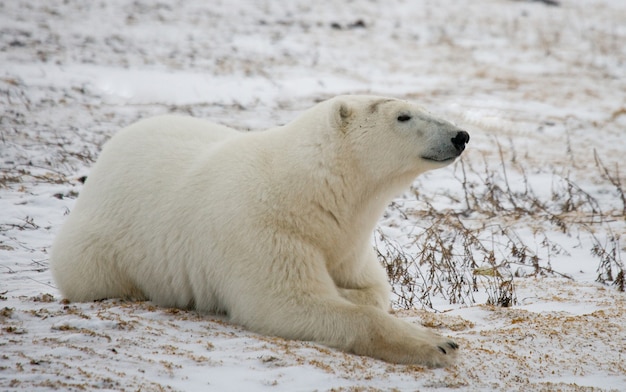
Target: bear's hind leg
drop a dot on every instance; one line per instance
(85, 271)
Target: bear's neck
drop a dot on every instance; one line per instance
(339, 203)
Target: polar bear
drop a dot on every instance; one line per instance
(272, 228)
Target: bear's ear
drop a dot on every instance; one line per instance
(344, 111)
(341, 114)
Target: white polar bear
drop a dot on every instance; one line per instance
(272, 228)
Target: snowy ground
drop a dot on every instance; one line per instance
(541, 89)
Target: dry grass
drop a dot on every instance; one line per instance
(481, 244)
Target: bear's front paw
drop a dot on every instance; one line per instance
(443, 352)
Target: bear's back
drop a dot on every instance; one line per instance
(150, 156)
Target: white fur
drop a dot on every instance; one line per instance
(272, 228)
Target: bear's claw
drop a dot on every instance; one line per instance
(451, 345)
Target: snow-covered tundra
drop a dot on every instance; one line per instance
(271, 228)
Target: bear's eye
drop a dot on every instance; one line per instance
(404, 118)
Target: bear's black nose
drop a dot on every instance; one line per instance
(460, 140)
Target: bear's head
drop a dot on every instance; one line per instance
(390, 137)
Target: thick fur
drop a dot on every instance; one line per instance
(272, 228)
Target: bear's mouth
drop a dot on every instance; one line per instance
(440, 159)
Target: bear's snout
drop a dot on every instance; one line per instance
(460, 140)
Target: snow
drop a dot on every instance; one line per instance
(540, 89)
